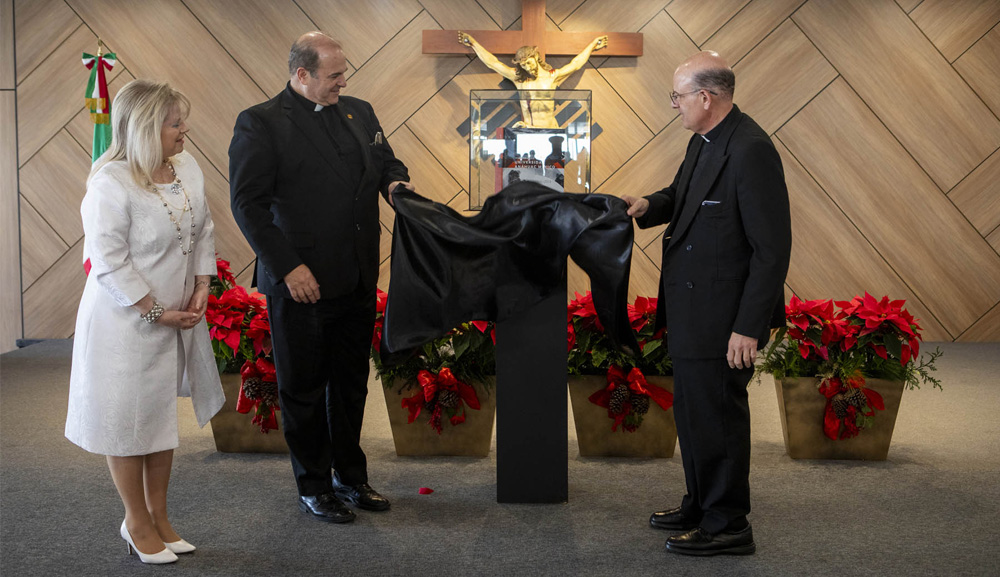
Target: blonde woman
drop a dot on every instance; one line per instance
(141, 339)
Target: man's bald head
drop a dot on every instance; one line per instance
(305, 52)
(709, 71)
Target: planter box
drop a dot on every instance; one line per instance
(234, 433)
(655, 437)
(417, 439)
(802, 407)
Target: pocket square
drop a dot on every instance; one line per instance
(709, 202)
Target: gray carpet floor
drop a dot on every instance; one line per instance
(931, 509)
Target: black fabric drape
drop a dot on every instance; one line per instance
(448, 269)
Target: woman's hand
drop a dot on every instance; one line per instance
(183, 320)
(199, 300)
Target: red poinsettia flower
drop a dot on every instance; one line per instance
(583, 307)
(259, 333)
(224, 272)
(224, 322)
(641, 312)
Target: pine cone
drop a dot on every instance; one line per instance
(448, 399)
(640, 404)
(857, 398)
(619, 395)
(269, 393)
(840, 405)
(252, 388)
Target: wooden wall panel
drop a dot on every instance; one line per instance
(906, 82)
(399, 79)
(702, 18)
(460, 15)
(820, 230)
(646, 82)
(934, 129)
(873, 182)
(780, 76)
(8, 76)
(41, 25)
(610, 16)
(54, 182)
(194, 63)
(41, 247)
(55, 92)
(10, 270)
(979, 68)
(50, 304)
(985, 329)
(978, 196)
(954, 25)
(751, 25)
(362, 27)
(258, 35)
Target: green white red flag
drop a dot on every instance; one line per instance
(98, 100)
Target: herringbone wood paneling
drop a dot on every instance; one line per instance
(914, 91)
(41, 26)
(883, 144)
(10, 278)
(954, 25)
(820, 231)
(751, 25)
(979, 66)
(7, 72)
(644, 82)
(41, 247)
(895, 206)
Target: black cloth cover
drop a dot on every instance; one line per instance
(448, 269)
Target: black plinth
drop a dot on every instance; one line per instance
(532, 454)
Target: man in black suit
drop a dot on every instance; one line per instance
(305, 170)
(725, 256)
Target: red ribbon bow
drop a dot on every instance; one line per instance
(430, 384)
(264, 415)
(637, 383)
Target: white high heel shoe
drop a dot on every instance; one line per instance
(165, 556)
(180, 547)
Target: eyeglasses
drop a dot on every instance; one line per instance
(674, 96)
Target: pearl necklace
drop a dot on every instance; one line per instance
(177, 187)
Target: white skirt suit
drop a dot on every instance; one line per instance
(127, 373)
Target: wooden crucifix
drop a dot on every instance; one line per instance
(532, 33)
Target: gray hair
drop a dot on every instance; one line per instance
(304, 54)
(720, 81)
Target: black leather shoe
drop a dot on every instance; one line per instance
(700, 542)
(361, 495)
(672, 520)
(326, 507)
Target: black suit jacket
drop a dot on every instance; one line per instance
(290, 195)
(726, 250)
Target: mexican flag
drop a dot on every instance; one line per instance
(98, 100)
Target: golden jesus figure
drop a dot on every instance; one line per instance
(533, 73)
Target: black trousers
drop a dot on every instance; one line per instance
(321, 357)
(713, 428)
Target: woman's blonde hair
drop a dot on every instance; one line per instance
(137, 115)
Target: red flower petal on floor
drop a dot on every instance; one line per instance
(425, 490)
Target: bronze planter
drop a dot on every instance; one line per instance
(655, 437)
(802, 407)
(417, 439)
(234, 433)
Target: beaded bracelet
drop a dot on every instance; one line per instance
(154, 313)
(204, 282)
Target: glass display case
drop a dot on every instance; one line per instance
(505, 148)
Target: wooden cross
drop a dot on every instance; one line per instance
(532, 33)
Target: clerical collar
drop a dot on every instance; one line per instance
(303, 101)
(717, 131)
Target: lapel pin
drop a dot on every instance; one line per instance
(350, 116)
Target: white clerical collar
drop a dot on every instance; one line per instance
(701, 135)
(318, 108)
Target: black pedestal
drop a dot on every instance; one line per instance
(532, 454)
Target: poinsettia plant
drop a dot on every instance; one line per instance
(241, 340)
(592, 352)
(442, 369)
(843, 343)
